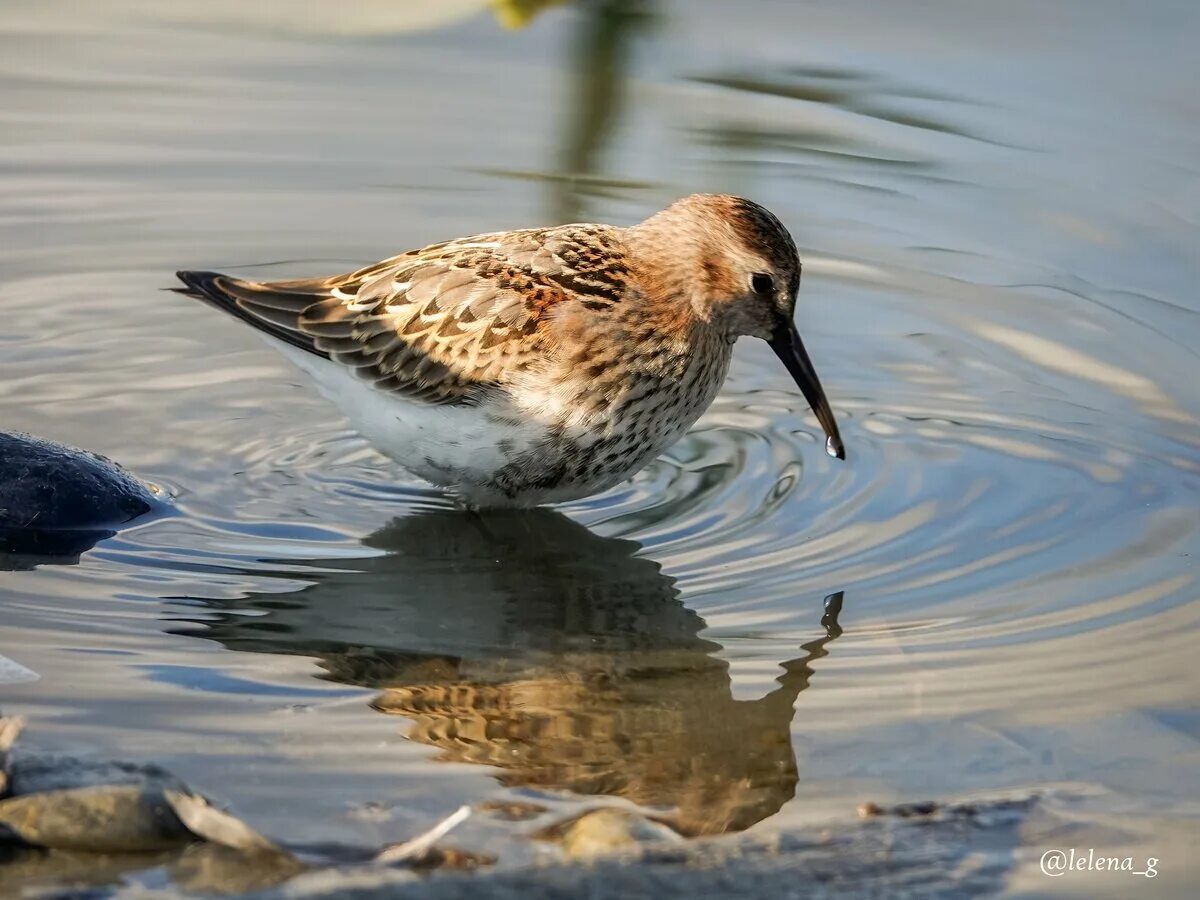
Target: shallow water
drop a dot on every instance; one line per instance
(998, 206)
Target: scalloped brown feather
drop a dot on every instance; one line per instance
(443, 323)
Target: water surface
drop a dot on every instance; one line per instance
(998, 209)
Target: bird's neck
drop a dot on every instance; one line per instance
(678, 274)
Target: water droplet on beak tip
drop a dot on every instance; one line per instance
(830, 448)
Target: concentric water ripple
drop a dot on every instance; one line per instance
(976, 531)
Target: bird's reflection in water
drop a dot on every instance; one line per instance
(564, 659)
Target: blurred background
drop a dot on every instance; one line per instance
(998, 207)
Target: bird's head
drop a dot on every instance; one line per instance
(744, 276)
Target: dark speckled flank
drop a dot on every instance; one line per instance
(642, 414)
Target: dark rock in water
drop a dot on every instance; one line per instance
(57, 501)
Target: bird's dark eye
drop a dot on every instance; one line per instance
(762, 283)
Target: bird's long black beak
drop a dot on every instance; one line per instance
(790, 349)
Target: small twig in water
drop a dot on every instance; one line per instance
(416, 848)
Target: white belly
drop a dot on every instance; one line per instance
(459, 447)
(530, 446)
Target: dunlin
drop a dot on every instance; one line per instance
(534, 366)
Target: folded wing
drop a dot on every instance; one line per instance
(442, 324)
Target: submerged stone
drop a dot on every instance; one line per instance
(58, 501)
(104, 819)
(601, 832)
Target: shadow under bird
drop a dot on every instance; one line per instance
(547, 364)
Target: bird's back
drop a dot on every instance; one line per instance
(442, 324)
